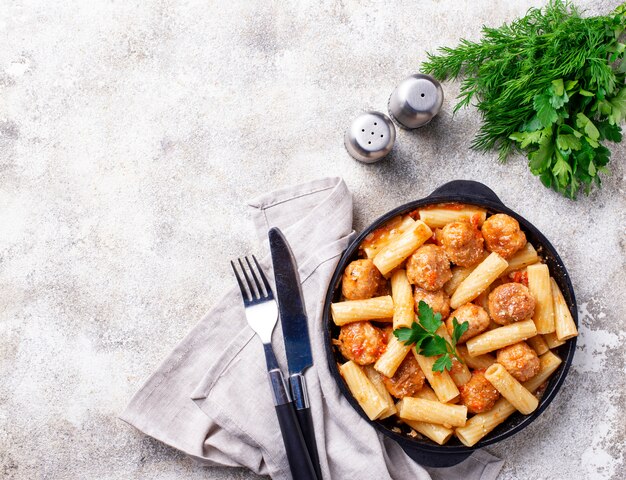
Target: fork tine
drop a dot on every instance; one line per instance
(242, 287)
(263, 277)
(256, 280)
(253, 293)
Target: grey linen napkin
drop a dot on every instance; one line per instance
(210, 397)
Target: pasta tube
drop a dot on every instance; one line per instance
(362, 390)
(539, 286)
(377, 308)
(439, 216)
(538, 344)
(403, 304)
(524, 257)
(482, 423)
(478, 281)
(388, 362)
(441, 382)
(563, 320)
(501, 337)
(437, 433)
(458, 275)
(511, 389)
(400, 248)
(552, 341)
(432, 411)
(383, 236)
(479, 362)
(379, 385)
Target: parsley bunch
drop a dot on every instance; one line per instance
(427, 342)
(551, 85)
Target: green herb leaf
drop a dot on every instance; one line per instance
(429, 320)
(442, 363)
(410, 336)
(546, 113)
(427, 342)
(434, 346)
(458, 330)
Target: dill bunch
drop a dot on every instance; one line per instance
(551, 85)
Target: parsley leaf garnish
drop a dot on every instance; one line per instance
(423, 335)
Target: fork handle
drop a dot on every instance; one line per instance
(297, 454)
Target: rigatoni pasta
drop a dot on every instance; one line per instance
(362, 389)
(402, 294)
(540, 289)
(563, 320)
(377, 308)
(393, 254)
(430, 411)
(377, 380)
(383, 236)
(389, 361)
(478, 281)
(524, 257)
(402, 264)
(441, 382)
(437, 433)
(438, 217)
(501, 337)
(511, 389)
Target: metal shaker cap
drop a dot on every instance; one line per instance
(415, 101)
(370, 137)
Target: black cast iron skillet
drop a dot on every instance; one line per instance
(425, 451)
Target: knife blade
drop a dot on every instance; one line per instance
(293, 321)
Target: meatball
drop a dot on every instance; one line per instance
(520, 360)
(503, 235)
(438, 301)
(463, 243)
(428, 268)
(478, 395)
(408, 379)
(476, 316)
(511, 302)
(361, 279)
(361, 342)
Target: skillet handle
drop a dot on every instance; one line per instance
(467, 188)
(435, 460)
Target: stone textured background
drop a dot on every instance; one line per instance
(131, 135)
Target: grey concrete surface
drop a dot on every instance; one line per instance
(131, 136)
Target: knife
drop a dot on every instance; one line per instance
(293, 321)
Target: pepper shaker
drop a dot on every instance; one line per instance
(370, 137)
(415, 101)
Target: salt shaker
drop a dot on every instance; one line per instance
(415, 101)
(370, 137)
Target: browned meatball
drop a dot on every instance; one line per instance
(408, 380)
(361, 279)
(476, 316)
(463, 243)
(520, 360)
(503, 235)
(438, 301)
(361, 342)
(478, 395)
(511, 302)
(428, 267)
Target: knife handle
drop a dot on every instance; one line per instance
(297, 454)
(300, 397)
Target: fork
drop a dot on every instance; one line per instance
(262, 313)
